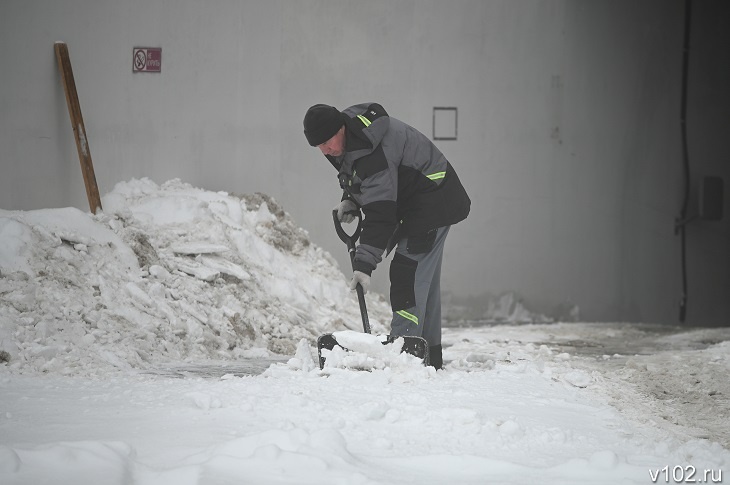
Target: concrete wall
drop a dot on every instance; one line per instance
(568, 125)
(708, 119)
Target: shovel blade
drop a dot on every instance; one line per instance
(416, 346)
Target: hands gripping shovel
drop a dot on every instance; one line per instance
(415, 346)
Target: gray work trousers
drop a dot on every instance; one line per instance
(415, 288)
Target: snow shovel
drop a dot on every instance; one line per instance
(416, 346)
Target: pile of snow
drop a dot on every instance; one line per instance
(165, 273)
(507, 307)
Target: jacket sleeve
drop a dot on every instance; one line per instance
(378, 195)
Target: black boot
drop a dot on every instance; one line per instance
(435, 359)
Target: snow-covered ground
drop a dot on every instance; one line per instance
(170, 339)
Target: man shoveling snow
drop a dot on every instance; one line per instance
(410, 196)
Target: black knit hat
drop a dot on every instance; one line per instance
(321, 123)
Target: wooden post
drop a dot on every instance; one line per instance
(77, 123)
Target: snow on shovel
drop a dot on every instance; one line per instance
(416, 346)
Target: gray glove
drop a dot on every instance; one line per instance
(346, 206)
(362, 278)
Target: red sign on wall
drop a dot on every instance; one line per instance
(147, 59)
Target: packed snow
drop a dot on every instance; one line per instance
(171, 340)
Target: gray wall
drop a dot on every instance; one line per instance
(568, 128)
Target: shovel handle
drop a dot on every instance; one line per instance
(350, 241)
(363, 308)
